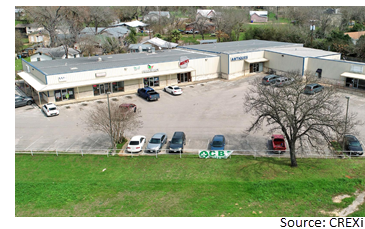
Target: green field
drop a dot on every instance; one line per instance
(18, 63)
(67, 185)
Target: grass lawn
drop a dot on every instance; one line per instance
(18, 63)
(67, 185)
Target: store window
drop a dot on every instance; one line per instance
(183, 77)
(64, 94)
(118, 86)
(100, 89)
(96, 89)
(151, 82)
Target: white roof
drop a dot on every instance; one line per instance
(259, 13)
(205, 13)
(161, 43)
(133, 24)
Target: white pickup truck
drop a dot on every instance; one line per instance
(191, 31)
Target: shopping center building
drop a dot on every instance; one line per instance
(78, 79)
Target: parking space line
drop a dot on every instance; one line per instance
(73, 144)
(34, 142)
(95, 142)
(50, 145)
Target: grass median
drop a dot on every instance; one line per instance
(67, 185)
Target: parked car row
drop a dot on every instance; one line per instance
(281, 81)
(176, 144)
(178, 141)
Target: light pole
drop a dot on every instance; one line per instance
(110, 120)
(312, 28)
(347, 111)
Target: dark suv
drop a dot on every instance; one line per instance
(352, 145)
(177, 142)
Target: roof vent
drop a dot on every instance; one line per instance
(99, 59)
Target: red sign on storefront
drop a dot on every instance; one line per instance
(184, 61)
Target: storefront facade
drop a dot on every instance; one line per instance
(63, 85)
(77, 79)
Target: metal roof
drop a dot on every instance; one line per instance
(62, 66)
(301, 51)
(161, 43)
(239, 46)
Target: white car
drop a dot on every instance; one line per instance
(136, 144)
(50, 109)
(175, 90)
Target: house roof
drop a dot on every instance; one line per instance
(57, 51)
(132, 24)
(161, 43)
(161, 13)
(259, 13)
(206, 13)
(112, 31)
(356, 35)
(28, 25)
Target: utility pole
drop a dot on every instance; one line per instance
(110, 122)
(347, 110)
(312, 28)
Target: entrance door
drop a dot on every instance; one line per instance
(64, 94)
(356, 83)
(102, 89)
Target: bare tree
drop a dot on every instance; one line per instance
(122, 120)
(297, 115)
(18, 42)
(99, 16)
(126, 13)
(47, 16)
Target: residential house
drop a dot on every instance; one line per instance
(259, 16)
(158, 43)
(156, 15)
(210, 27)
(117, 32)
(355, 36)
(28, 28)
(209, 14)
(140, 48)
(137, 25)
(19, 13)
(54, 53)
(41, 36)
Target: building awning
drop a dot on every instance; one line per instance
(32, 81)
(258, 60)
(43, 87)
(353, 75)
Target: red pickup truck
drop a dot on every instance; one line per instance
(278, 143)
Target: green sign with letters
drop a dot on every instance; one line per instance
(217, 154)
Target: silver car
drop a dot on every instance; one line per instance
(282, 81)
(22, 101)
(156, 142)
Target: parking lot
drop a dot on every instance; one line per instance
(202, 111)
